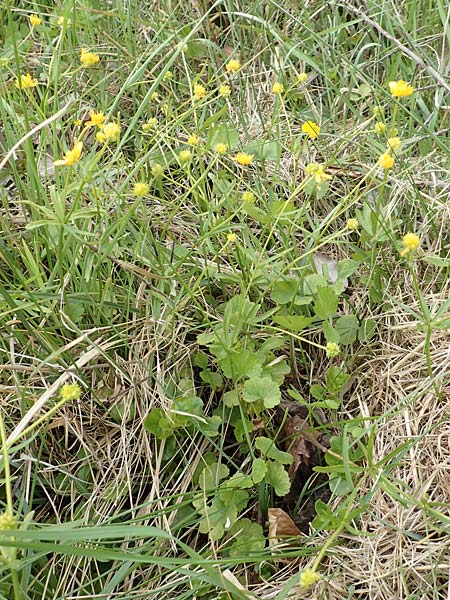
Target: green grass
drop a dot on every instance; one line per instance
(237, 346)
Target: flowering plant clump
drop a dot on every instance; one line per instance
(400, 89)
(233, 66)
(71, 157)
(110, 132)
(311, 129)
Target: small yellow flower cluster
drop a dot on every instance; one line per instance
(244, 159)
(25, 82)
(157, 170)
(193, 140)
(7, 521)
(88, 58)
(150, 124)
(224, 91)
(140, 189)
(379, 128)
(386, 161)
(221, 148)
(109, 133)
(394, 143)
(277, 88)
(199, 91)
(317, 171)
(96, 120)
(353, 224)
(400, 89)
(248, 197)
(302, 77)
(311, 129)
(309, 577)
(332, 349)
(233, 66)
(231, 238)
(70, 391)
(70, 158)
(185, 156)
(34, 20)
(410, 242)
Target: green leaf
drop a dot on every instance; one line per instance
(211, 427)
(276, 371)
(278, 478)
(263, 389)
(331, 334)
(212, 378)
(211, 475)
(347, 326)
(293, 322)
(437, 261)
(190, 406)
(284, 291)
(223, 134)
(347, 267)
(248, 538)
(158, 424)
(267, 447)
(259, 469)
(366, 330)
(240, 427)
(325, 303)
(231, 398)
(241, 363)
(265, 150)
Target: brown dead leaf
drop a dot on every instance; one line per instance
(296, 443)
(281, 526)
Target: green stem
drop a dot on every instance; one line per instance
(16, 585)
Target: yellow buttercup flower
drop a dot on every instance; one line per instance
(311, 129)
(154, 97)
(221, 148)
(309, 577)
(224, 91)
(243, 158)
(318, 172)
(185, 155)
(233, 66)
(96, 119)
(231, 238)
(400, 89)
(386, 161)
(302, 77)
(140, 189)
(111, 132)
(70, 391)
(88, 58)
(26, 81)
(379, 128)
(277, 88)
(100, 137)
(353, 224)
(248, 197)
(394, 143)
(34, 20)
(193, 140)
(199, 91)
(167, 75)
(71, 156)
(410, 242)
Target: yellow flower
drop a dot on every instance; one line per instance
(88, 58)
(233, 66)
(7, 521)
(221, 148)
(185, 155)
(34, 20)
(151, 124)
(96, 119)
(379, 128)
(277, 88)
(318, 172)
(231, 238)
(140, 189)
(224, 91)
(386, 161)
(157, 170)
(71, 156)
(70, 391)
(25, 82)
(410, 242)
(78, 122)
(311, 129)
(100, 137)
(353, 224)
(302, 77)
(167, 75)
(394, 143)
(111, 131)
(243, 158)
(309, 577)
(61, 21)
(248, 197)
(154, 97)
(199, 91)
(193, 140)
(400, 88)
(331, 350)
